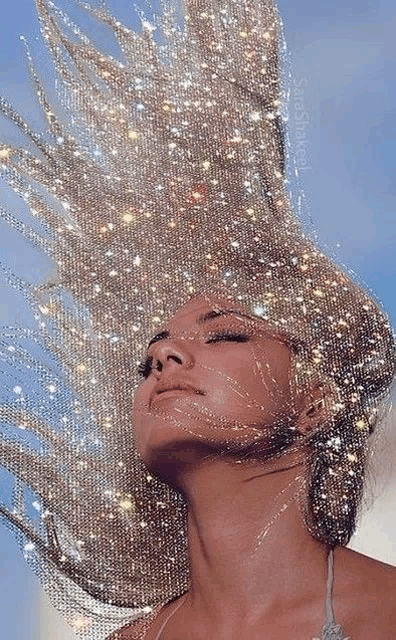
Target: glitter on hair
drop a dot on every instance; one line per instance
(165, 181)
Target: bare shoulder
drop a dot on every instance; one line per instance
(358, 569)
(364, 594)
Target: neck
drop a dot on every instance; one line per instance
(249, 549)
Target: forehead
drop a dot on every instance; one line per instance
(191, 312)
(190, 315)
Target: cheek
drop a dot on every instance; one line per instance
(237, 391)
(220, 396)
(226, 380)
(266, 381)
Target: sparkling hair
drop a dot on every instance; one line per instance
(101, 188)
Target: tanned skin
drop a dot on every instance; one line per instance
(244, 585)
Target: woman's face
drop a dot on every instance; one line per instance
(218, 379)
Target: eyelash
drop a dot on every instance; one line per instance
(144, 368)
(235, 337)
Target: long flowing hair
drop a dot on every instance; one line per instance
(166, 165)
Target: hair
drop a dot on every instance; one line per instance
(339, 450)
(335, 488)
(91, 183)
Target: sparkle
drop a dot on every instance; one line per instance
(162, 178)
(128, 217)
(147, 25)
(361, 424)
(5, 153)
(255, 116)
(126, 504)
(81, 623)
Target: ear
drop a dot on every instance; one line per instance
(314, 408)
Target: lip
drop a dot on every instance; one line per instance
(170, 389)
(170, 393)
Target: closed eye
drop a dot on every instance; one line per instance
(144, 368)
(233, 337)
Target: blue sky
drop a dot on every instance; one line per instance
(342, 53)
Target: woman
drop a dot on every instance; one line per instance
(173, 204)
(255, 569)
(241, 584)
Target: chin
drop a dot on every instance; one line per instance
(172, 459)
(170, 454)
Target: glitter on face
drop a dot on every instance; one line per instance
(166, 182)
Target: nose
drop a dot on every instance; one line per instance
(170, 353)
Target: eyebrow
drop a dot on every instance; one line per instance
(204, 317)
